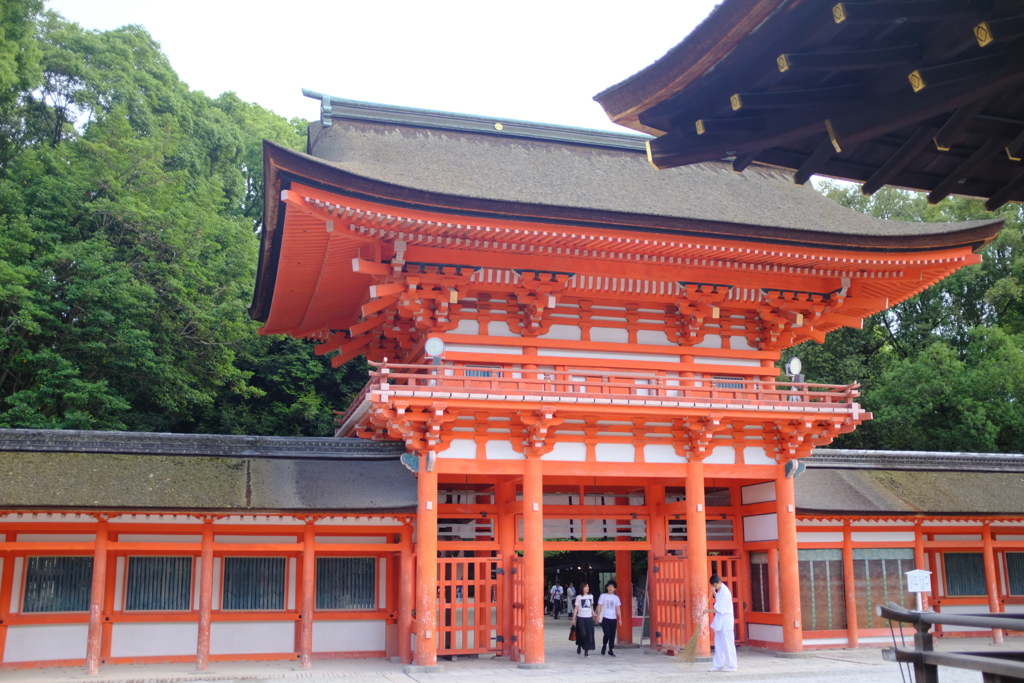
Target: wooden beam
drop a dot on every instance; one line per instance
(728, 126)
(791, 98)
(1015, 150)
(848, 61)
(1009, 191)
(932, 76)
(814, 162)
(742, 161)
(370, 267)
(901, 12)
(380, 304)
(996, 30)
(957, 123)
(898, 161)
(985, 153)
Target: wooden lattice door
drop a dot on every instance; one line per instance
(668, 602)
(518, 609)
(469, 605)
(730, 570)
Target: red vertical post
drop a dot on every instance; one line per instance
(308, 595)
(656, 535)
(99, 582)
(991, 582)
(624, 577)
(505, 493)
(850, 587)
(106, 636)
(205, 596)
(426, 570)
(533, 558)
(406, 591)
(697, 552)
(919, 557)
(6, 588)
(789, 570)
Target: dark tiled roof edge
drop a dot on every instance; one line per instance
(339, 108)
(852, 459)
(199, 445)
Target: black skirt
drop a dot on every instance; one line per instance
(585, 633)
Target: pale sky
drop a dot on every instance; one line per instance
(532, 59)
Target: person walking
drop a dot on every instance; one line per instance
(556, 598)
(570, 594)
(722, 625)
(583, 620)
(609, 611)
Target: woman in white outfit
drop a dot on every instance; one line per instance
(722, 625)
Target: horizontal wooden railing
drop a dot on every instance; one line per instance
(602, 386)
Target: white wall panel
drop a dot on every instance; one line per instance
(293, 563)
(563, 333)
(348, 636)
(466, 326)
(257, 539)
(154, 639)
(660, 452)
(614, 335)
(40, 642)
(758, 493)
(769, 633)
(721, 455)
(56, 538)
(756, 455)
(481, 348)
(761, 528)
(19, 567)
(572, 451)
(653, 338)
(881, 536)
(980, 608)
(157, 538)
(819, 537)
(500, 328)
(351, 539)
(742, 362)
(740, 343)
(461, 449)
(119, 582)
(251, 637)
(615, 452)
(610, 355)
(502, 450)
(711, 341)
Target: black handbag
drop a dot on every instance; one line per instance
(572, 632)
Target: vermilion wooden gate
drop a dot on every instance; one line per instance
(469, 605)
(728, 568)
(668, 603)
(518, 609)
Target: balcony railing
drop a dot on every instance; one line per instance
(604, 387)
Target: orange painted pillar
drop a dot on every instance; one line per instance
(426, 569)
(624, 577)
(505, 493)
(789, 568)
(107, 634)
(406, 591)
(991, 582)
(656, 535)
(533, 558)
(99, 582)
(308, 596)
(850, 587)
(6, 588)
(697, 552)
(919, 558)
(205, 597)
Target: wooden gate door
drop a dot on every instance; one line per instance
(469, 605)
(518, 609)
(729, 569)
(668, 603)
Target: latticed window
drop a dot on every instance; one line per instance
(57, 584)
(728, 382)
(159, 583)
(822, 589)
(345, 583)
(1015, 572)
(760, 592)
(879, 576)
(253, 583)
(965, 574)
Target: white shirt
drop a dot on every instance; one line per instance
(610, 602)
(586, 605)
(556, 592)
(723, 610)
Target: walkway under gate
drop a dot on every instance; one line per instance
(469, 605)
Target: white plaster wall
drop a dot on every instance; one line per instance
(262, 520)
(660, 452)
(743, 362)
(756, 455)
(351, 539)
(722, 455)
(40, 642)
(881, 536)
(1008, 537)
(348, 636)
(481, 348)
(197, 586)
(769, 633)
(761, 528)
(615, 452)
(615, 335)
(293, 563)
(500, 328)
(154, 639)
(119, 582)
(757, 493)
(957, 537)
(255, 539)
(382, 582)
(609, 355)
(563, 332)
(819, 537)
(56, 538)
(980, 608)
(19, 567)
(502, 450)
(739, 343)
(572, 451)
(711, 341)
(460, 449)
(157, 538)
(653, 338)
(466, 327)
(251, 637)
(217, 578)
(826, 641)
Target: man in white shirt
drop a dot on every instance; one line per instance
(609, 611)
(722, 625)
(556, 598)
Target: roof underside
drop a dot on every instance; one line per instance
(924, 95)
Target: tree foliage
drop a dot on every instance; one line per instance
(943, 370)
(130, 211)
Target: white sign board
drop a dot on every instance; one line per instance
(919, 581)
